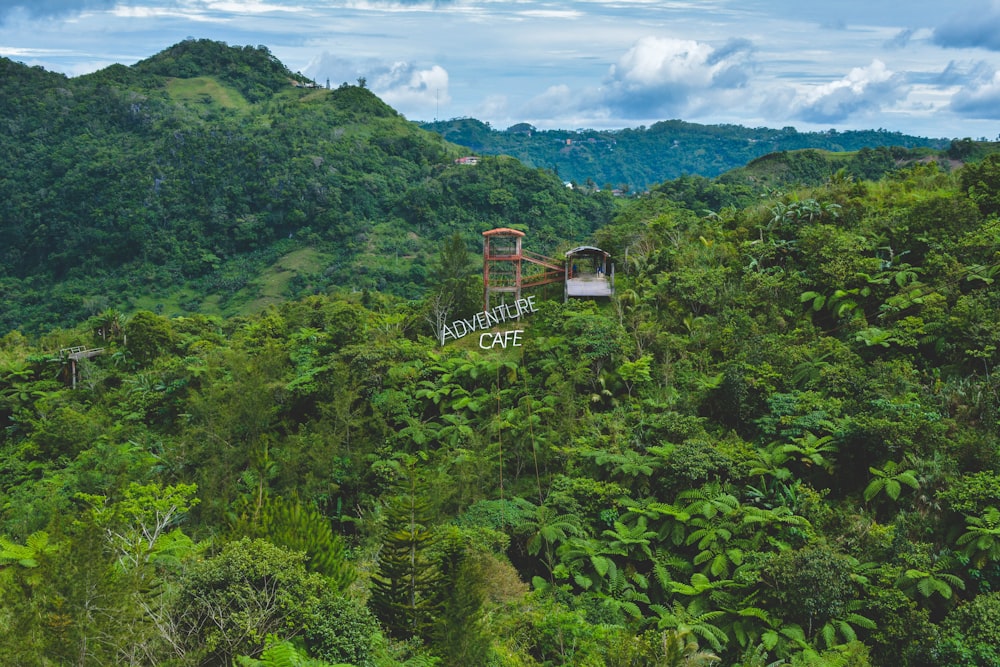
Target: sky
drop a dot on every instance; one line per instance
(924, 67)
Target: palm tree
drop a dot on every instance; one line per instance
(680, 649)
(546, 528)
(914, 582)
(629, 540)
(111, 324)
(770, 462)
(843, 626)
(692, 619)
(667, 520)
(588, 561)
(812, 450)
(758, 657)
(889, 480)
(699, 585)
(711, 538)
(709, 500)
(982, 537)
(809, 369)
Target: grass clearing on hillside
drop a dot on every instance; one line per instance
(206, 89)
(179, 302)
(272, 285)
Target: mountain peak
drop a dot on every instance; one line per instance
(253, 70)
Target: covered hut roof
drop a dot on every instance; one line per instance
(586, 250)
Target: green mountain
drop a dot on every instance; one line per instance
(210, 178)
(638, 158)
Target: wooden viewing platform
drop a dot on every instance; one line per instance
(590, 273)
(588, 284)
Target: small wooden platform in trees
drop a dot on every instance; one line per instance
(75, 354)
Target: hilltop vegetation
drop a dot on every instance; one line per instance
(778, 444)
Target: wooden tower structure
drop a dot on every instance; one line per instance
(504, 270)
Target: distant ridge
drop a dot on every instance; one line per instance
(641, 157)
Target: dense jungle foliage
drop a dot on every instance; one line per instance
(637, 158)
(777, 444)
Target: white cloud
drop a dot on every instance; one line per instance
(980, 98)
(590, 63)
(494, 108)
(558, 14)
(658, 77)
(863, 90)
(410, 89)
(50, 8)
(248, 7)
(660, 62)
(554, 97)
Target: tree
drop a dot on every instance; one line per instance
(971, 634)
(981, 539)
(281, 653)
(23, 576)
(136, 525)
(981, 181)
(545, 528)
(452, 285)
(407, 584)
(635, 372)
(925, 584)
(812, 586)
(342, 630)
(289, 524)
(812, 450)
(147, 336)
(680, 649)
(230, 603)
(890, 480)
(35, 549)
(693, 619)
(460, 635)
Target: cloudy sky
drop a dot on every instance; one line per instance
(924, 67)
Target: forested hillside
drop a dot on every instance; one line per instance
(231, 436)
(637, 158)
(209, 178)
(777, 445)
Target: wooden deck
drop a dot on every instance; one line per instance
(588, 284)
